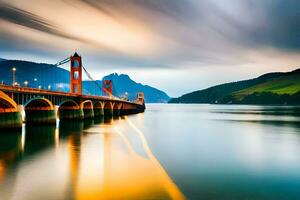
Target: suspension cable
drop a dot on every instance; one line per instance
(58, 64)
(63, 62)
(91, 78)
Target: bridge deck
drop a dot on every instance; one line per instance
(27, 90)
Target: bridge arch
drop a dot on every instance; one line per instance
(108, 108)
(38, 103)
(88, 108)
(39, 110)
(99, 108)
(7, 104)
(69, 104)
(69, 109)
(10, 117)
(117, 109)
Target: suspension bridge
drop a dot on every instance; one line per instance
(43, 106)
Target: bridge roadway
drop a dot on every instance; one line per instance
(44, 106)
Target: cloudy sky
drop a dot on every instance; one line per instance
(175, 45)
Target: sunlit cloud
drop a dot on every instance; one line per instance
(155, 34)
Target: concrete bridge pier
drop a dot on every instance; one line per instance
(69, 109)
(129, 109)
(99, 109)
(108, 109)
(117, 109)
(88, 109)
(140, 108)
(10, 117)
(39, 111)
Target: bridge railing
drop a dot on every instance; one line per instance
(32, 90)
(11, 88)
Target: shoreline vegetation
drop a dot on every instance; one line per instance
(269, 89)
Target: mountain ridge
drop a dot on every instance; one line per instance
(224, 93)
(55, 78)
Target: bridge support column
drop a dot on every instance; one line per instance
(66, 114)
(10, 117)
(128, 109)
(117, 109)
(99, 109)
(108, 109)
(116, 112)
(69, 110)
(140, 108)
(40, 111)
(88, 109)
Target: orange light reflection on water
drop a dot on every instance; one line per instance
(115, 170)
(2, 171)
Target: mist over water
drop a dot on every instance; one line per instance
(168, 152)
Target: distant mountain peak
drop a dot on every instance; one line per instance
(122, 83)
(115, 74)
(119, 77)
(58, 79)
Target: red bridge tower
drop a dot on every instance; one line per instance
(76, 74)
(107, 87)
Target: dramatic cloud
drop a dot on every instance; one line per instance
(30, 20)
(157, 36)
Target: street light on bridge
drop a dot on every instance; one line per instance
(14, 69)
(25, 83)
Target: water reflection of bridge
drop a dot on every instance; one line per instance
(104, 165)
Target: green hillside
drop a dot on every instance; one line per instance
(271, 88)
(282, 85)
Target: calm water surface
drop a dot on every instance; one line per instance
(168, 152)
